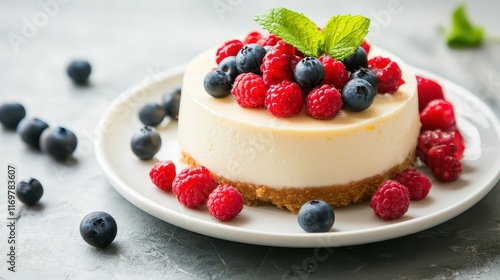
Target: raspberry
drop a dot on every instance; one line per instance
(277, 64)
(324, 102)
(335, 73)
(285, 99)
(225, 203)
(270, 40)
(249, 90)
(365, 45)
(428, 90)
(193, 186)
(432, 138)
(229, 48)
(387, 72)
(252, 37)
(390, 201)
(443, 164)
(418, 184)
(438, 114)
(162, 174)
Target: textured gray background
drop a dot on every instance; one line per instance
(126, 41)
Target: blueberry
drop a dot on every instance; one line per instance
(98, 229)
(58, 142)
(11, 114)
(366, 74)
(171, 101)
(309, 72)
(146, 143)
(79, 71)
(217, 83)
(316, 216)
(356, 60)
(29, 192)
(358, 95)
(151, 114)
(249, 58)
(30, 130)
(228, 66)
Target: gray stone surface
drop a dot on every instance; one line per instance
(125, 42)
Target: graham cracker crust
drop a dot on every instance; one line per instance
(293, 198)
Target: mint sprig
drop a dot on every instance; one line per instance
(463, 34)
(341, 36)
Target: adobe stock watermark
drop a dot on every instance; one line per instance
(382, 18)
(223, 7)
(31, 26)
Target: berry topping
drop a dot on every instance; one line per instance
(146, 143)
(29, 192)
(249, 58)
(285, 99)
(316, 216)
(171, 101)
(270, 40)
(335, 73)
(324, 102)
(228, 66)
(432, 138)
(358, 95)
(11, 114)
(252, 37)
(58, 142)
(98, 229)
(366, 74)
(193, 186)
(428, 90)
(390, 201)
(356, 60)
(225, 203)
(229, 48)
(217, 83)
(443, 163)
(438, 114)
(309, 72)
(30, 130)
(249, 90)
(151, 114)
(388, 74)
(277, 64)
(162, 174)
(366, 46)
(79, 71)
(418, 184)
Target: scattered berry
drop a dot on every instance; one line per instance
(366, 74)
(252, 37)
(366, 46)
(29, 192)
(335, 73)
(151, 114)
(30, 130)
(225, 203)
(324, 102)
(193, 186)
(443, 163)
(432, 138)
(438, 114)
(98, 229)
(11, 114)
(228, 66)
(316, 216)
(356, 60)
(390, 201)
(388, 74)
(428, 90)
(285, 99)
(249, 90)
(249, 58)
(229, 48)
(309, 72)
(58, 142)
(217, 83)
(146, 143)
(171, 101)
(418, 184)
(358, 95)
(162, 174)
(79, 71)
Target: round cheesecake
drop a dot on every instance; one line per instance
(289, 161)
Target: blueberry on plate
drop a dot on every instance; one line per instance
(316, 216)
(29, 192)
(356, 60)
(151, 114)
(146, 143)
(171, 101)
(11, 114)
(79, 71)
(228, 66)
(249, 58)
(217, 83)
(98, 229)
(358, 95)
(58, 142)
(366, 74)
(309, 72)
(30, 130)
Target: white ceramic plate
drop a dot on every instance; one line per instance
(270, 226)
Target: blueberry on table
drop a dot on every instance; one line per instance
(146, 143)
(30, 130)
(151, 114)
(11, 114)
(98, 229)
(358, 95)
(249, 58)
(356, 60)
(171, 100)
(29, 192)
(217, 83)
(316, 216)
(366, 74)
(309, 72)
(58, 142)
(79, 71)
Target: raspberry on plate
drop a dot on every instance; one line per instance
(438, 114)
(162, 174)
(428, 90)
(229, 48)
(418, 184)
(249, 90)
(225, 203)
(443, 164)
(193, 186)
(285, 99)
(431, 138)
(324, 102)
(388, 74)
(335, 73)
(390, 201)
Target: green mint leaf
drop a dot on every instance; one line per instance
(294, 28)
(463, 34)
(344, 34)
